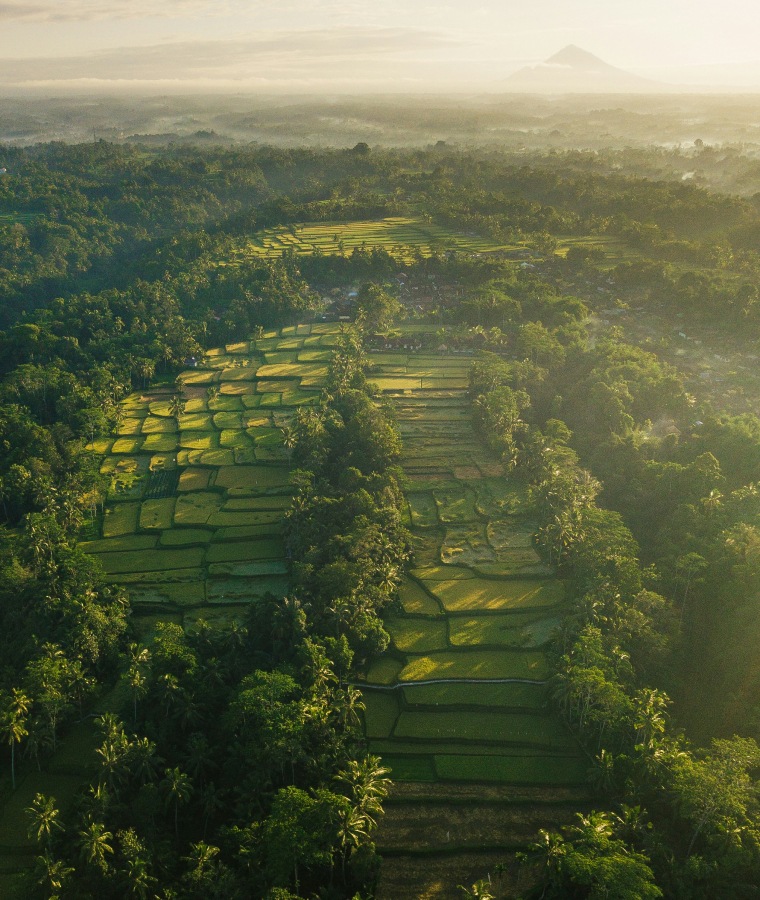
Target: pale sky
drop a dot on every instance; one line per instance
(365, 44)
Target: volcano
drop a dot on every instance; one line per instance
(576, 71)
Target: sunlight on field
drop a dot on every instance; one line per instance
(401, 237)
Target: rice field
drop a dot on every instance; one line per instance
(193, 528)
(460, 696)
(402, 237)
(193, 519)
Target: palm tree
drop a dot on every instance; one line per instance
(52, 874)
(177, 407)
(43, 819)
(200, 858)
(139, 880)
(13, 722)
(138, 682)
(146, 370)
(169, 687)
(481, 890)
(213, 802)
(367, 786)
(143, 760)
(549, 849)
(94, 844)
(354, 829)
(199, 757)
(113, 756)
(178, 789)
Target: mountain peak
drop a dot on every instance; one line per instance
(575, 70)
(577, 58)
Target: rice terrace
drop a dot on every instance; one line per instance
(403, 237)
(194, 527)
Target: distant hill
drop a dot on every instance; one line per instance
(576, 71)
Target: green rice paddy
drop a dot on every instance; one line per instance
(193, 519)
(193, 527)
(401, 237)
(461, 694)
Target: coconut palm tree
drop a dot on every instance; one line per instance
(52, 874)
(139, 661)
(13, 724)
(178, 790)
(44, 820)
(177, 406)
(94, 844)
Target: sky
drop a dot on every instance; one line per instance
(364, 45)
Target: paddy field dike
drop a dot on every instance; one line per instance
(457, 707)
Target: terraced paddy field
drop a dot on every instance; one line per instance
(399, 236)
(194, 517)
(457, 707)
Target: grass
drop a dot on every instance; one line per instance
(227, 519)
(424, 510)
(160, 443)
(467, 545)
(455, 505)
(409, 768)
(416, 601)
(476, 664)
(248, 532)
(157, 514)
(120, 544)
(539, 770)
(497, 498)
(481, 594)
(158, 425)
(197, 421)
(151, 560)
(245, 590)
(186, 537)
(472, 631)
(417, 635)
(196, 508)
(433, 573)
(241, 480)
(217, 458)
(182, 593)
(194, 479)
(384, 670)
(516, 695)
(121, 519)
(526, 729)
(128, 476)
(234, 439)
(244, 551)
(199, 440)
(380, 713)
(225, 420)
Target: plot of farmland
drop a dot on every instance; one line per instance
(399, 236)
(196, 504)
(461, 694)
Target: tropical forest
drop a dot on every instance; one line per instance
(379, 522)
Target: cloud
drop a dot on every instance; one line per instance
(296, 57)
(54, 11)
